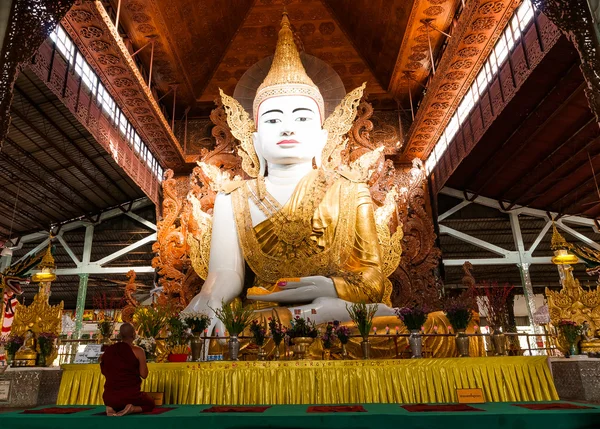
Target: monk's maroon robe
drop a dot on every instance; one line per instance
(121, 368)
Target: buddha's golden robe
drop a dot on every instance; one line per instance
(338, 239)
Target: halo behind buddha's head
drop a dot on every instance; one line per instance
(289, 73)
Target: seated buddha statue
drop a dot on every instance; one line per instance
(302, 238)
(27, 354)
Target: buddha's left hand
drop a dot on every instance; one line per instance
(305, 289)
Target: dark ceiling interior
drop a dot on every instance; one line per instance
(537, 153)
(51, 169)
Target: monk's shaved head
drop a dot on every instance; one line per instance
(127, 331)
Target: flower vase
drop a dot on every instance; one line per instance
(10, 358)
(499, 343)
(41, 360)
(462, 343)
(262, 354)
(301, 345)
(326, 354)
(234, 347)
(416, 344)
(366, 348)
(276, 354)
(573, 349)
(196, 344)
(344, 351)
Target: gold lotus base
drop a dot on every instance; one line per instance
(590, 347)
(25, 359)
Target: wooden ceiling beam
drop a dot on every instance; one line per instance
(67, 138)
(411, 59)
(87, 137)
(64, 202)
(547, 160)
(39, 201)
(532, 116)
(38, 222)
(573, 195)
(46, 150)
(492, 171)
(52, 174)
(69, 158)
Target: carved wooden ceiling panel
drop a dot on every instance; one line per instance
(190, 38)
(478, 29)
(317, 31)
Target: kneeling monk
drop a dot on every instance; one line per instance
(124, 366)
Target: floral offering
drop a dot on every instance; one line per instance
(196, 321)
(278, 331)
(458, 312)
(234, 316)
(150, 320)
(570, 330)
(362, 316)
(413, 317)
(342, 332)
(329, 336)
(13, 343)
(46, 342)
(302, 327)
(259, 333)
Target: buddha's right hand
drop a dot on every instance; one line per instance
(207, 304)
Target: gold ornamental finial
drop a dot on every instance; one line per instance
(287, 75)
(558, 241)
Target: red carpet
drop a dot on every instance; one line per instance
(56, 410)
(235, 409)
(553, 406)
(157, 410)
(336, 409)
(420, 408)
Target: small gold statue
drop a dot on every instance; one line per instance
(27, 355)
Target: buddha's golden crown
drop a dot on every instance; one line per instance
(287, 75)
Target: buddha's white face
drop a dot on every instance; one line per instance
(289, 130)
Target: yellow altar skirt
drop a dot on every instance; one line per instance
(327, 382)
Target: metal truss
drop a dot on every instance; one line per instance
(85, 265)
(510, 257)
(521, 257)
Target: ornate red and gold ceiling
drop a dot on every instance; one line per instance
(202, 46)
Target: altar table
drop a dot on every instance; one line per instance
(327, 382)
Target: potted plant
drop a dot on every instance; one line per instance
(278, 333)
(495, 306)
(571, 332)
(459, 314)
(259, 335)
(177, 340)
(197, 323)
(328, 338)
(11, 345)
(414, 318)
(302, 332)
(150, 320)
(362, 316)
(235, 317)
(46, 344)
(342, 332)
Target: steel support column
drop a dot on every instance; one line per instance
(83, 280)
(528, 293)
(5, 262)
